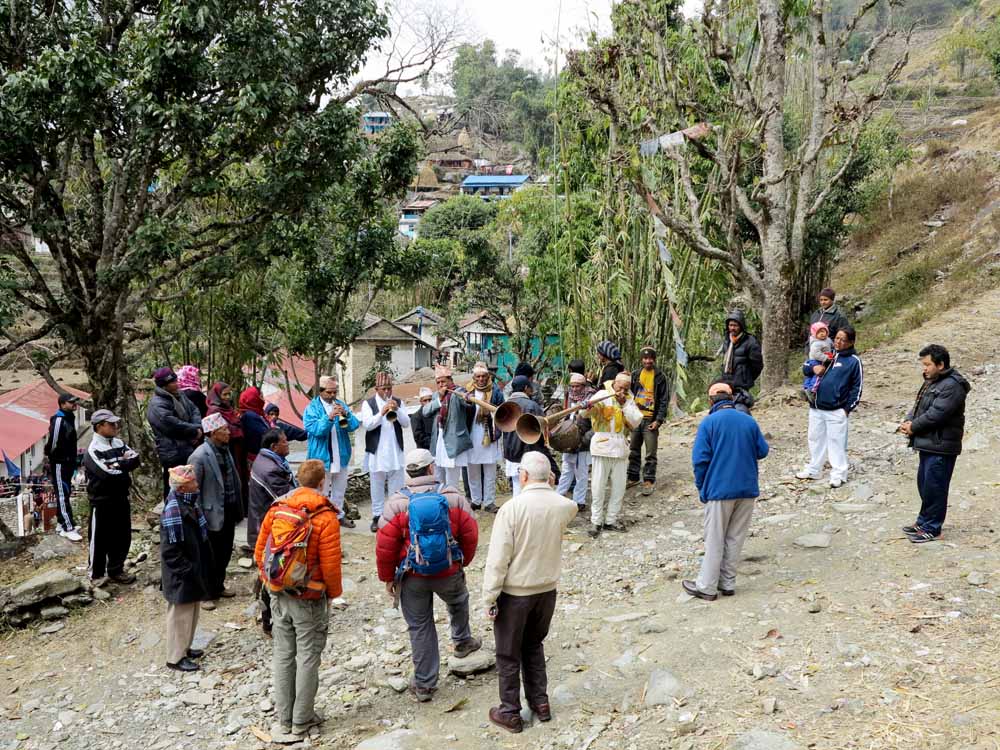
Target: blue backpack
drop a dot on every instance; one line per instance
(432, 547)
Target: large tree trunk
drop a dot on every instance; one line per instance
(777, 319)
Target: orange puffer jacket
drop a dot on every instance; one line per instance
(323, 552)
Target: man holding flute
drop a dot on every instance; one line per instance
(384, 418)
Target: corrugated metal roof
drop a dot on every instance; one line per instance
(24, 414)
(477, 180)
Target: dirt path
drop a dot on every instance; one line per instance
(901, 652)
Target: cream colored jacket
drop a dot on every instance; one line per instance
(525, 555)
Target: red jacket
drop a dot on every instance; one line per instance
(393, 540)
(323, 553)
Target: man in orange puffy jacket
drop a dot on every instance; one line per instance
(300, 621)
(416, 592)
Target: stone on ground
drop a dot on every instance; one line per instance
(760, 740)
(478, 661)
(53, 547)
(44, 586)
(813, 541)
(398, 739)
(662, 687)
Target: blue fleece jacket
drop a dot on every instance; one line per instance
(842, 383)
(318, 426)
(726, 451)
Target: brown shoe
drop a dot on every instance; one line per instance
(512, 724)
(647, 489)
(542, 711)
(209, 605)
(691, 589)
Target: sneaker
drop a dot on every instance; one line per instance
(805, 474)
(617, 526)
(594, 530)
(422, 694)
(491, 508)
(209, 605)
(99, 583)
(647, 489)
(465, 648)
(315, 721)
(124, 578)
(184, 665)
(921, 537)
(73, 535)
(914, 529)
(374, 526)
(835, 483)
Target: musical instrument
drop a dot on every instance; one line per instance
(531, 428)
(505, 416)
(391, 415)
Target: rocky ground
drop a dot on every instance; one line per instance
(842, 633)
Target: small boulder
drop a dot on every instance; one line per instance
(477, 661)
(54, 613)
(44, 586)
(398, 739)
(976, 578)
(813, 541)
(760, 740)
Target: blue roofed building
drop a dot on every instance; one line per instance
(375, 122)
(493, 187)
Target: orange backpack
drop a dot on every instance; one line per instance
(284, 566)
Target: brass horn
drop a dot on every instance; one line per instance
(530, 428)
(505, 416)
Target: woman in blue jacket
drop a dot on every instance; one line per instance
(329, 423)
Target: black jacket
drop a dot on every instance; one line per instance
(514, 448)
(185, 567)
(108, 464)
(292, 432)
(661, 393)
(608, 372)
(198, 399)
(269, 480)
(748, 360)
(938, 418)
(833, 317)
(422, 425)
(60, 446)
(175, 422)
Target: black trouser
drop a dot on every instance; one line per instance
(61, 475)
(222, 551)
(933, 482)
(110, 536)
(520, 628)
(643, 437)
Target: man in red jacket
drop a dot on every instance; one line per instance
(415, 591)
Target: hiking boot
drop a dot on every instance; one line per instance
(374, 526)
(209, 605)
(647, 489)
(315, 721)
(921, 537)
(347, 523)
(124, 578)
(422, 694)
(465, 648)
(805, 474)
(195, 653)
(691, 589)
(184, 665)
(100, 583)
(492, 508)
(542, 711)
(727, 592)
(594, 530)
(617, 526)
(512, 724)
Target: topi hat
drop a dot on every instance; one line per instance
(213, 422)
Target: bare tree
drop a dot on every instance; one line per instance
(741, 171)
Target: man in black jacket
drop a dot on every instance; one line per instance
(652, 394)
(742, 361)
(420, 424)
(935, 428)
(513, 447)
(176, 423)
(60, 449)
(108, 464)
(829, 313)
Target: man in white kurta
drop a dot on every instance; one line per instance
(384, 457)
(485, 446)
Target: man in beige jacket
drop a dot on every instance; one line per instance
(519, 588)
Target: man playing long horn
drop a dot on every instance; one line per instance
(485, 441)
(451, 439)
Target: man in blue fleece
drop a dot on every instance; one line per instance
(726, 451)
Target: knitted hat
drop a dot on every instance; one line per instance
(181, 475)
(189, 378)
(164, 377)
(383, 380)
(213, 422)
(609, 350)
(817, 325)
(519, 383)
(828, 293)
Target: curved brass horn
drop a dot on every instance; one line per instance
(507, 415)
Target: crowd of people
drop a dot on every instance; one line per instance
(223, 461)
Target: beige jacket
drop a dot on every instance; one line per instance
(525, 554)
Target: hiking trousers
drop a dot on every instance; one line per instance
(933, 482)
(298, 629)
(727, 523)
(110, 536)
(607, 501)
(646, 439)
(416, 601)
(62, 485)
(520, 628)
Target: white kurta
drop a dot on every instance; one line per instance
(388, 456)
(480, 454)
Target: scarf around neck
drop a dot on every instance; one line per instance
(172, 518)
